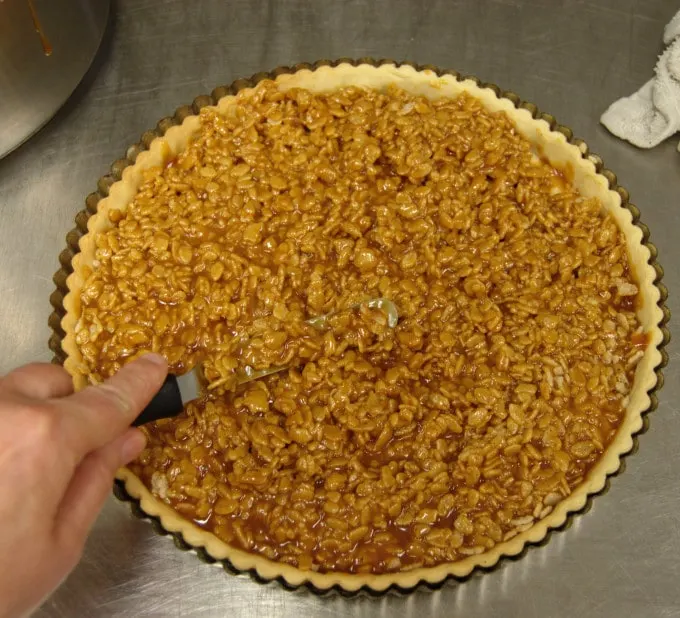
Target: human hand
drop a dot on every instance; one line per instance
(59, 452)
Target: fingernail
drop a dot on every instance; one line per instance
(133, 446)
(157, 359)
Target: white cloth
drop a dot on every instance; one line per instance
(652, 114)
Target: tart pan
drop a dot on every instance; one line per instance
(262, 570)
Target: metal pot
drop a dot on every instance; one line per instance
(46, 47)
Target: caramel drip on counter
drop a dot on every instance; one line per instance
(47, 48)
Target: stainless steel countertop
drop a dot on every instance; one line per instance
(572, 58)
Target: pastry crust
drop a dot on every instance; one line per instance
(555, 147)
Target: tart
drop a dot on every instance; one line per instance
(528, 342)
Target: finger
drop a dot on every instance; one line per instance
(98, 414)
(38, 381)
(90, 486)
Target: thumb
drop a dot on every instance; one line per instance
(96, 415)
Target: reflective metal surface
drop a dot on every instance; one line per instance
(572, 59)
(40, 69)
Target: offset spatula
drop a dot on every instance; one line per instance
(177, 391)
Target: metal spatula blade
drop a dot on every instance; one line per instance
(177, 391)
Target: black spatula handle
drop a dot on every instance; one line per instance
(165, 404)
